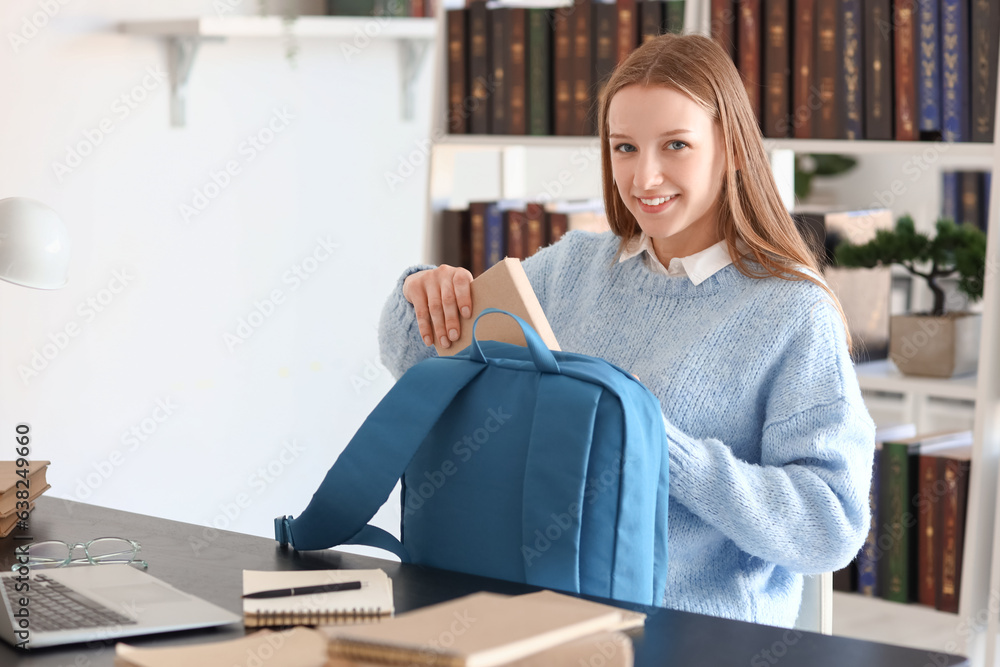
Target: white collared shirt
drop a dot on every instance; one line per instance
(698, 267)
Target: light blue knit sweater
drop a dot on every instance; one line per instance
(770, 442)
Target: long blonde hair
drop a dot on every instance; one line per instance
(752, 211)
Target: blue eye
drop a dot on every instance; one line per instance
(620, 145)
(677, 142)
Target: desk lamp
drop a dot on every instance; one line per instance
(34, 244)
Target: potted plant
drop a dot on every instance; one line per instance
(939, 343)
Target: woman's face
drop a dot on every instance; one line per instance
(664, 145)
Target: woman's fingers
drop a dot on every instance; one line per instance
(440, 298)
(436, 313)
(462, 280)
(423, 320)
(449, 304)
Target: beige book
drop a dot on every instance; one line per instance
(608, 649)
(9, 522)
(30, 478)
(479, 630)
(372, 602)
(297, 647)
(505, 286)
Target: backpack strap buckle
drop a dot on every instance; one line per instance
(283, 530)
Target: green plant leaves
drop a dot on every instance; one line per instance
(954, 249)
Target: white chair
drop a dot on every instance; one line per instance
(816, 611)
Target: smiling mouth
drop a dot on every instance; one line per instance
(656, 201)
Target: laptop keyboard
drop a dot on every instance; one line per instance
(54, 606)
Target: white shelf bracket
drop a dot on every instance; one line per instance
(182, 51)
(411, 57)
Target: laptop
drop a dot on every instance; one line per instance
(96, 602)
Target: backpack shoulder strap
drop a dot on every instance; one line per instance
(365, 473)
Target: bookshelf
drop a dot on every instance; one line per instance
(974, 630)
(184, 38)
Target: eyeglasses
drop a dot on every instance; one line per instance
(56, 553)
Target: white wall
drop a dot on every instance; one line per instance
(257, 423)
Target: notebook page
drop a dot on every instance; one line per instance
(373, 598)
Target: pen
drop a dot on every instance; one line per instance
(306, 590)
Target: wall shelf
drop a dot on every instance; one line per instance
(184, 38)
(917, 392)
(914, 625)
(980, 154)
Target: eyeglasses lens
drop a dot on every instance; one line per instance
(47, 554)
(111, 550)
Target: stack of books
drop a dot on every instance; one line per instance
(920, 487)
(478, 237)
(19, 487)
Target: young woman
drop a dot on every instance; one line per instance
(704, 290)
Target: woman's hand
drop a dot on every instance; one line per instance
(438, 296)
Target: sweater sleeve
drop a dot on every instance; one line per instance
(399, 342)
(804, 506)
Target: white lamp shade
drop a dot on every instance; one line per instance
(34, 244)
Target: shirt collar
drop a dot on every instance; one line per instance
(698, 267)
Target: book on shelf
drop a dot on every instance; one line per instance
(985, 27)
(480, 236)
(955, 69)
(581, 20)
(521, 71)
(904, 42)
(928, 71)
(372, 602)
(20, 486)
(851, 78)
(953, 479)
(849, 46)
(777, 68)
(491, 630)
(916, 497)
(866, 561)
(539, 46)
(965, 197)
(812, 69)
(846, 578)
(877, 73)
(400, 8)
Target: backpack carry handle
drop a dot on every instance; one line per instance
(544, 360)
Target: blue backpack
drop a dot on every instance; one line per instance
(519, 463)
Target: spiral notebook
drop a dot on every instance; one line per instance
(372, 602)
(479, 630)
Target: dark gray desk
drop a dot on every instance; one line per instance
(209, 563)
